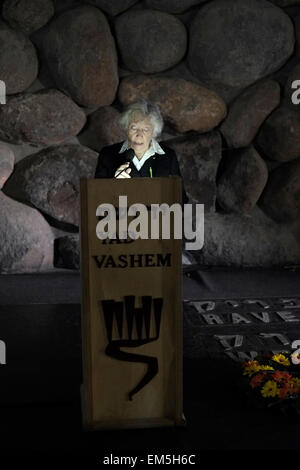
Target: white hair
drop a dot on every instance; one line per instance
(148, 110)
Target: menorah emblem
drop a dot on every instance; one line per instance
(139, 318)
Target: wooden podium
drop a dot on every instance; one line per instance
(131, 313)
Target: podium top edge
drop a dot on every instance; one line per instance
(135, 179)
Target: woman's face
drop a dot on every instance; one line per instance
(139, 134)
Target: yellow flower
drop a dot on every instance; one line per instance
(269, 389)
(281, 359)
(296, 382)
(253, 362)
(266, 368)
(251, 367)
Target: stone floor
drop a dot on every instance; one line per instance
(226, 315)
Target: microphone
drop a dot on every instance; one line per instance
(129, 156)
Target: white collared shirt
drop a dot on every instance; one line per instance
(154, 148)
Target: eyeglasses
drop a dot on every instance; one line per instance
(133, 129)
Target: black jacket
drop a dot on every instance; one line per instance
(164, 165)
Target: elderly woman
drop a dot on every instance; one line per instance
(140, 154)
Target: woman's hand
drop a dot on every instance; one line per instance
(125, 173)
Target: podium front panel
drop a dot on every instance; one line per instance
(131, 312)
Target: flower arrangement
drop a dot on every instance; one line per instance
(274, 380)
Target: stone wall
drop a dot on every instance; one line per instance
(222, 72)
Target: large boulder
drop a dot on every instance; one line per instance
(243, 181)
(150, 41)
(172, 6)
(18, 60)
(281, 76)
(199, 157)
(182, 70)
(110, 7)
(7, 161)
(26, 239)
(67, 252)
(237, 43)
(185, 105)
(60, 6)
(296, 21)
(279, 136)
(243, 240)
(27, 15)
(281, 198)
(21, 151)
(50, 181)
(285, 3)
(292, 86)
(248, 112)
(103, 128)
(47, 117)
(79, 50)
